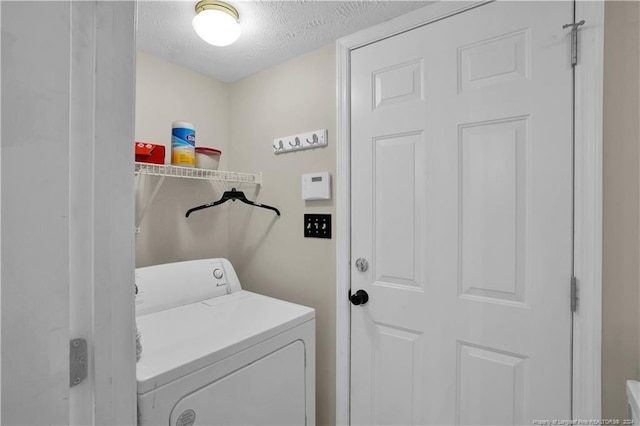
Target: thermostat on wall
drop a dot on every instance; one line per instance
(316, 186)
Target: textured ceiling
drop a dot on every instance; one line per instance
(272, 31)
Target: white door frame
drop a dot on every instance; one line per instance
(102, 266)
(588, 198)
(99, 57)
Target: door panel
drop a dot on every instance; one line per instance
(396, 386)
(35, 210)
(493, 188)
(461, 201)
(396, 213)
(490, 388)
(398, 84)
(494, 61)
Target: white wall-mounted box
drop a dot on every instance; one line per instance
(316, 186)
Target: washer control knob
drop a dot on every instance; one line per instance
(218, 273)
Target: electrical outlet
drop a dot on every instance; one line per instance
(317, 226)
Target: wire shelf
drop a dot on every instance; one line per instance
(193, 173)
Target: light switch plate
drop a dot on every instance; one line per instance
(317, 226)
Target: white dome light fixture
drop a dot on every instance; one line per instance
(216, 22)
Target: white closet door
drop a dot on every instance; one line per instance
(461, 204)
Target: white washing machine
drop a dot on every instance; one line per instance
(214, 354)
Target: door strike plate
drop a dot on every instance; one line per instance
(77, 361)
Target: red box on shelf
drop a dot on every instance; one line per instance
(149, 153)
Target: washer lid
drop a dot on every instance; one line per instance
(178, 341)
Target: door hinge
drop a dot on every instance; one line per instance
(574, 40)
(77, 361)
(574, 294)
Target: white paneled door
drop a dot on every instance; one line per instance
(462, 207)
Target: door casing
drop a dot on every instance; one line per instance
(587, 187)
(97, 53)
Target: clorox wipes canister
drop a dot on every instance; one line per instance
(183, 144)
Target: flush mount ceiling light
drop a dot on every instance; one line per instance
(216, 22)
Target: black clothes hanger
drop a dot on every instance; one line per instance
(232, 195)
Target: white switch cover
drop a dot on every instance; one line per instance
(308, 140)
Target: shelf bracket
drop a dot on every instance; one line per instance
(143, 205)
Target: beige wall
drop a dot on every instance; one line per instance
(166, 92)
(621, 240)
(271, 254)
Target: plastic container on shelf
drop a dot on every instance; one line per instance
(183, 142)
(207, 158)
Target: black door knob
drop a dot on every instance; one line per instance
(360, 297)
